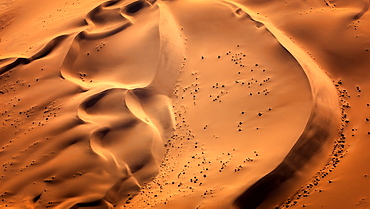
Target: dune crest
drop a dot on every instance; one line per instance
(184, 104)
(208, 129)
(103, 111)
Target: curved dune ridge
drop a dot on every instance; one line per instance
(166, 104)
(213, 134)
(89, 128)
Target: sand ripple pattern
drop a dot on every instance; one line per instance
(99, 117)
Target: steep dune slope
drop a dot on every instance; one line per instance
(335, 34)
(241, 97)
(184, 104)
(85, 127)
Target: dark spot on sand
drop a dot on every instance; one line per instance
(134, 7)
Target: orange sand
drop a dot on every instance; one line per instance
(184, 104)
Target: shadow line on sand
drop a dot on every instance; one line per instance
(320, 128)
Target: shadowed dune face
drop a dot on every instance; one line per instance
(85, 121)
(88, 118)
(116, 38)
(252, 110)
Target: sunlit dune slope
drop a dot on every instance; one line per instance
(248, 103)
(184, 104)
(85, 117)
(335, 34)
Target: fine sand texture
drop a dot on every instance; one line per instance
(186, 104)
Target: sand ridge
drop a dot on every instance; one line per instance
(101, 115)
(182, 104)
(289, 166)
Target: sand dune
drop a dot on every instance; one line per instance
(183, 104)
(112, 118)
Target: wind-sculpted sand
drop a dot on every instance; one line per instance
(97, 115)
(177, 104)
